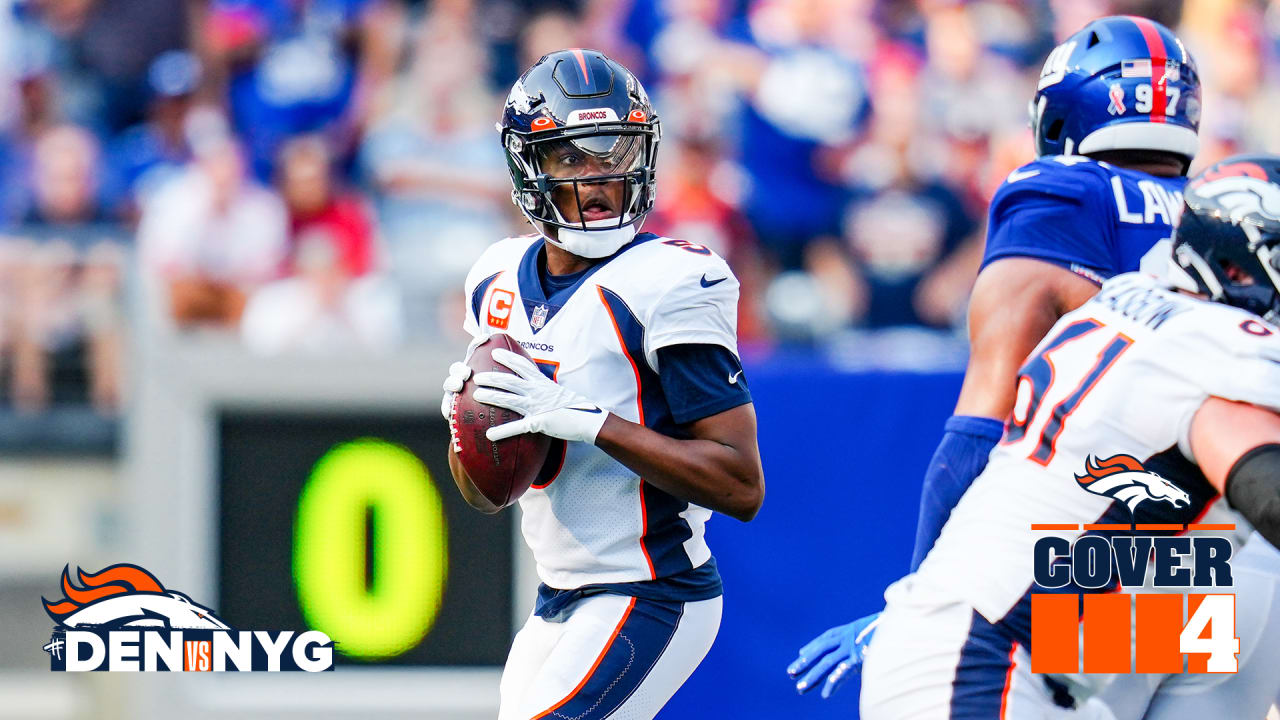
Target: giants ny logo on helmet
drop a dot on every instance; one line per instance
(123, 618)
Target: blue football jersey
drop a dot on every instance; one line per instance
(1090, 217)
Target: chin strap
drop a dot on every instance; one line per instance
(593, 244)
(601, 239)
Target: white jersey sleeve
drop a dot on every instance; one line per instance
(1227, 353)
(469, 322)
(495, 260)
(700, 307)
(1249, 366)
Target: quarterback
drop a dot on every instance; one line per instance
(635, 373)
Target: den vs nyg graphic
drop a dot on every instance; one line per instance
(1176, 604)
(123, 619)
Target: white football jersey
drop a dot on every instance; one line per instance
(596, 521)
(1120, 376)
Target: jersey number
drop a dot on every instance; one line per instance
(1038, 375)
(689, 246)
(1145, 96)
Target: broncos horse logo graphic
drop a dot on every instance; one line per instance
(126, 596)
(1123, 478)
(1244, 194)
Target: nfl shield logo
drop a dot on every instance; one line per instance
(539, 317)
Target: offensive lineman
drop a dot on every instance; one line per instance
(1115, 119)
(1181, 374)
(636, 374)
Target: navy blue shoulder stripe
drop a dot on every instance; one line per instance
(477, 295)
(665, 530)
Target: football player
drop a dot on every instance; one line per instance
(1115, 119)
(1177, 379)
(636, 374)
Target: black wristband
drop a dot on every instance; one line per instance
(1253, 489)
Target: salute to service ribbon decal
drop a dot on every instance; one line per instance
(122, 618)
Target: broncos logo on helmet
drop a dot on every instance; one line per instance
(1227, 245)
(1122, 477)
(126, 596)
(1242, 196)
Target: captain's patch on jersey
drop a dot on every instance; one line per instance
(498, 313)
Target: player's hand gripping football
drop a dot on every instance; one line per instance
(458, 374)
(832, 655)
(547, 407)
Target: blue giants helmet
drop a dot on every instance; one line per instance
(1121, 83)
(580, 109)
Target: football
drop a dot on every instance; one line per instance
(502, 470)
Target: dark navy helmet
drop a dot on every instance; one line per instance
(1227, 244)
(1121, 83)
(580, 109)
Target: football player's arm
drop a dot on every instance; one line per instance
(1045, 223)
(1040, 234)
(1237, 447)
(1015, 301)
(718, 468)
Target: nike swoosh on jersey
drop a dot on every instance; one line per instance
(593, 410)
(708, 283)
(733, 379)
(1017, 175)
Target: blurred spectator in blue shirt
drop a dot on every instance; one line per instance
(805, 94)
(33, 108)
(907, 224)
(115, 44)
(303, 66)
(146, 155)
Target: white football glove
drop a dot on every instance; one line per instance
(547, 407)
(458, 374)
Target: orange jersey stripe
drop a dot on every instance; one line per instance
(1008, 683)
(622, 343)
(594, 665)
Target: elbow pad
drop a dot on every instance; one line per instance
(1253, 489)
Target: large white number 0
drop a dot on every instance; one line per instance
(1218, 612)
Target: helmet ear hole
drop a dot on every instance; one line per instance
(1054, 133)
(1234, 272)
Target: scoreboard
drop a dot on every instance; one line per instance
(350, 524)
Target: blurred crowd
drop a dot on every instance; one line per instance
(318, 175)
